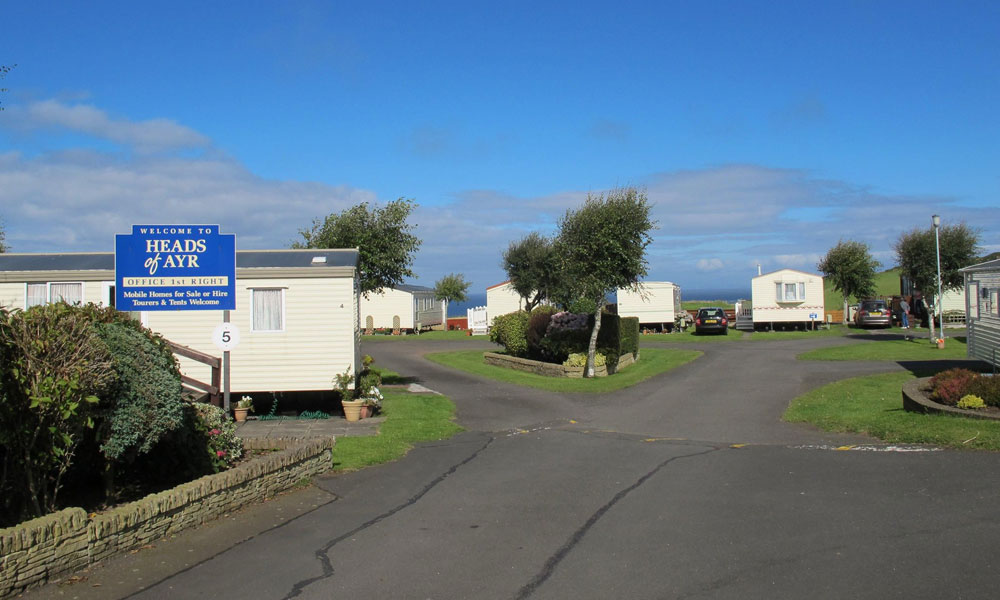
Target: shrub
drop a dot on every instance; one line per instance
(566, 334)
(947, 387)
(970, 402)
(609, 338)
(510, 332)
(579, 359)
(219, 432)
(54, 367)
(629, 328)
(144, 402)
(986, 387)
(538, 324)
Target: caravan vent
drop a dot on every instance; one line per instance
(319, 260)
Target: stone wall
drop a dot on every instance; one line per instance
(553, 369)
(64, 542)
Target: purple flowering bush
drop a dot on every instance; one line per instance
(567, 333)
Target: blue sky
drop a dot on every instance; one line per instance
(762, 132)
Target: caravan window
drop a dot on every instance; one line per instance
(790, 292)
(268, 307)
(44, 293)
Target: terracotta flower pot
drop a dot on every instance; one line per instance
(366, 411)
(240, 414)
(352, 409)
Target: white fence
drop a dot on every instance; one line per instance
(478, 322)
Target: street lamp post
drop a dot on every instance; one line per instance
(937, 249)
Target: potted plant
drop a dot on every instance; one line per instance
(352, 407)
(243, 406)
(368, 383)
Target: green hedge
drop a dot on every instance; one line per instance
(629, 328)
(510, 331)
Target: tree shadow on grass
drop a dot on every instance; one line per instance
(399, 380)
(929, 368)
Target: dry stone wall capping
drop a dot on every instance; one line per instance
(552, 369)
(42, 549)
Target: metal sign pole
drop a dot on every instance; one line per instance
(225, 369)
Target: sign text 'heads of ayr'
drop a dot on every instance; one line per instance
(175, 267)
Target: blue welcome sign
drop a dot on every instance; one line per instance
(175, 267)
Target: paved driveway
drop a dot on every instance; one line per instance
(644, 496)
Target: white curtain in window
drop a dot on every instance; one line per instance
(37, 294)
(802, 291)
(778, 294)
(72, 293)
(789, 291)
(267, 310)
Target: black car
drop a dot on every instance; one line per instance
(711, 320)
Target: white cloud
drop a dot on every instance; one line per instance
(153, 135)
(716, 224)
(709, 264)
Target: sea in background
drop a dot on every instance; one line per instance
(457, 309)
(727, 294)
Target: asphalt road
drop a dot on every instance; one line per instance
(685, 486)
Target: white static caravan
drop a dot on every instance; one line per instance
(501, 299)
(787, 298)
(655, 304)
(296, 311)
(982, 311)
(402, 307)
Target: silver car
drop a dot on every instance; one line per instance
(873, 313)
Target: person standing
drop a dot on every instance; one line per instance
(904, 310)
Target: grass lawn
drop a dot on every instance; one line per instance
(409, 418)
(653, 361)
(426, 336)
(886, 284)
(873, 405)
(894, 350)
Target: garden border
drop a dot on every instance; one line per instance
(36, 551)
(916, 400)
(553, 369)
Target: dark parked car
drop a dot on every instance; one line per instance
(711, 319)
(873, 313)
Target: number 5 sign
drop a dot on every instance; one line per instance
(226, 336)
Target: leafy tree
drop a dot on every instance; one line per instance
(602, 247)
(850, 267)
(381, 235)
(452, 287)
(531, 268)
(3, 247)
(917, 257)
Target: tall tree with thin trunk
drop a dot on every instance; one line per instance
(917, 257)
(851, 269)
(602, 247)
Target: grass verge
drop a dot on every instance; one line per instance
(873, 405)
(409, 418)
(653, 361)
(892, 350)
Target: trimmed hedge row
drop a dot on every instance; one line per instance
(550, 336)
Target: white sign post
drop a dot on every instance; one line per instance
(226, 337)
